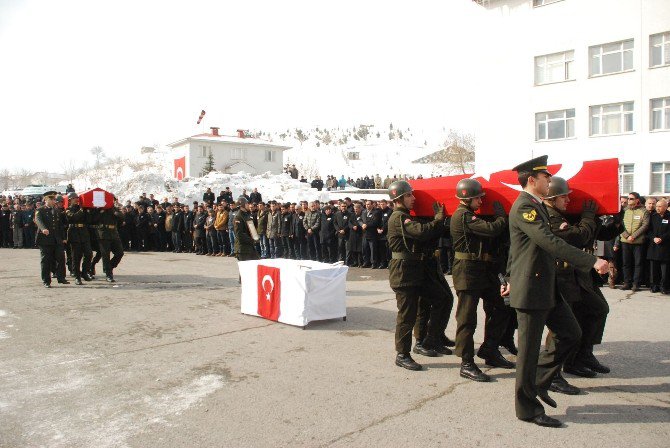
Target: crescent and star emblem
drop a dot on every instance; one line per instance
(268, 279)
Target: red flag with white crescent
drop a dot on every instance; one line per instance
(269, 292)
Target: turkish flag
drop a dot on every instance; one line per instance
(179, 168)
(269, 292)
(594, 179)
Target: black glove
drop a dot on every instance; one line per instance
(589, 207)
(498, 209)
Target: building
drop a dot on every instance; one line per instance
(579, 80)
(230, 154)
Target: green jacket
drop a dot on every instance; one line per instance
(474, 243)
(107, 221)
(636, 223)
(579, 235)
(78, 219)
(244, 243)
(531, 266)
(49, 219)
(410, 238)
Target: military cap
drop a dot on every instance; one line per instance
(72, 196)
(59, 198)
(536, 165)
(50, 194)
(241, 200)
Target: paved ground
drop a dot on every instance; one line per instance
(164, 358)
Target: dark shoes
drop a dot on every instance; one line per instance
(47, 285)
(405, 361)
(78, 281)
(635, 288)
(448, 342)
(62, 281)
(110, 279)
(626, 286)
(579, 369)
(545, 420)
(493, 358)
(419, 349)
(470, 371)
(443, 350)
(655, 288)
(87, 277)
(590, 361)
(510, 347)
(561, 386)
(544, 396)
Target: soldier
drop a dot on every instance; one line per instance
(78, 238)
(532, 266)
(109, 241)
(475, 275)
(576, 287)
(245, 237)
(50, 239)
(412, 271)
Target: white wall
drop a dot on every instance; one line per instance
(506, 133)
(222, 152)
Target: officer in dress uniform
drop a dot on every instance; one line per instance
(413, 272)
(532, 288)
(475, 274)
(50, 240)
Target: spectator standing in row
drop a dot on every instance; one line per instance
(631, 241)
(659, 248)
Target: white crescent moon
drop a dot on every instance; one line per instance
(180, 170)
(269, 279)
(567, 172)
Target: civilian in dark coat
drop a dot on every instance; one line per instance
(327, 236)
(342, 231)
(658, 253)
(208, 197)
(299, 234)
(188, 216)
(372, 220)
(177, 229)
(286, 231)
(199, 231)
(142, 223)
(355, 240)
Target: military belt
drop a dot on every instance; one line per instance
(473, 257)
(78, 225)
(109, 226)
(410, 256)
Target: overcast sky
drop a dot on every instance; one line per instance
(126, 74)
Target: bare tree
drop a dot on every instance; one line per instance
(459, 150)
(99, 154)
(5, 179)
(301, 136)
(22, 178)
(70, 169)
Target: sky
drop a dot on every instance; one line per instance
(126, 74)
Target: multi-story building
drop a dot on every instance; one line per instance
(579, 80)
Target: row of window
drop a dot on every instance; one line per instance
(605, 119)
(659, 182)
(238, 153)
(605, 59)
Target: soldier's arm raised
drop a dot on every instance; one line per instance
(484, 228)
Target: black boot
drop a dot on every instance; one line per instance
(77, 281)
(494, 358)
(590, 361)
(510, 347)
(579, 369)
(470, 371)
(561, 386)
(405, 361)
(419, 349)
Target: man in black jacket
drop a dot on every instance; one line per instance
(188, 218)
(286, 230)
(327, 236)
(382, 243)
(208, 197)
(341, 224)
(5, 226)
(50, 240)
(299, 234)
(371, 222)
(177, 229)
(255, 197)
(142, 222)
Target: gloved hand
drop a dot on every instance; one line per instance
(506, 300)
(440, 212)
(498, 209)
(589, 207)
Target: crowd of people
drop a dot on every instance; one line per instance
(332, 182)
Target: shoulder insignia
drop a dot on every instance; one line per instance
(530, 216)
(474, 217)
(407, 221)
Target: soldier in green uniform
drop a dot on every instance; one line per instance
(108, 220)
(51, 240)
(412, 271)
(78, 238)
(577, 287)
(245, 232)
(532, 288)
(475, 274)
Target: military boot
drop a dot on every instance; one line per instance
(420, 349)
(590, 361)
(492, 357)
(405, 361)
(469, 370)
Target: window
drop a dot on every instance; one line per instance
(204, 150)
(555, 67)
(626, 172)
(353, 156)
(238, 154)
(270, 156)
(609, 119)
(659, 49)
(537, 3)
(660, 178)
(611, 58)
(555, 125)
(660, 114)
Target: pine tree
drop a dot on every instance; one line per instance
(209, 164)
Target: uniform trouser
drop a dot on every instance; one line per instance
(633, 257)
(341, 249)
(50, 257)
(68, 257)
(18, 237)
(314, 246)
(426, 313)
(370, 256)
(659, 273)
(287, 244)
(497, 316)
(176, 240)
(407, 299)
(329, 251)
(114, 247)
(535, 370)
(81, 252)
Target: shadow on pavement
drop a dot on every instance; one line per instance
(635, 359)
(615, 413)
(168, 282)
(359, 319)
